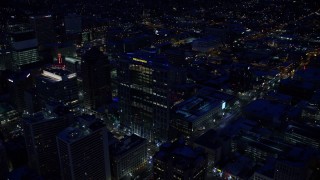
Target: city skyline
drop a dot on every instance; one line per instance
(159, 90)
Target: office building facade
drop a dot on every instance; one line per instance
(73, 24)
(96, 80)
(146, 93)
(23, 44)
(128, 157)
(18, 84)
(57, 84)
(44, 30)
(179, 161)
(83, 150)
(3, 161)
(40, 131)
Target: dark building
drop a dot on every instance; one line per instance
(3, 161)
(32, 100)
(217, 147)
(9, 119)
(40, 130)
(73, 24)
(179, 161)
(302, 135)
(83, 150)
(5, 58)
(294, 165)
(300, 90)
(258, 148)
(241, 78)
(96, 80)
(24, 172)
(266, 112)
(18, 84)
(128, 157)
(44, 29)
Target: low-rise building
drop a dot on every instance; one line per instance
(217, 147)
(194, 116)
(179, 161)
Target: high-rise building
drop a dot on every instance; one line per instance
(43, 26)
(23, 44)
(18, 84)
(73, 24)
(258, 148)
(96, 80)
(73, 64)
(83, 150)
(58, 84)
(294, 164)
(46, 36)
(146, 91)
(5, 58)
(32, 101)
(5, 52)
(9, 119)
(179, 161)
(128, 157)
(40, 131)
(3, 161)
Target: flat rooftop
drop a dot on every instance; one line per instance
(56, 74)
(203, 102)
(266, 109)
(126, 144)
(181, 155)
(58, 71)
(39, 117)
(148, 58)
(84, 126)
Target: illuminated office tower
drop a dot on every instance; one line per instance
(146, 93)
(40, 131)
(83, 150)
(128, 156)
(24, 45)
(96, 80)
(57, 84)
